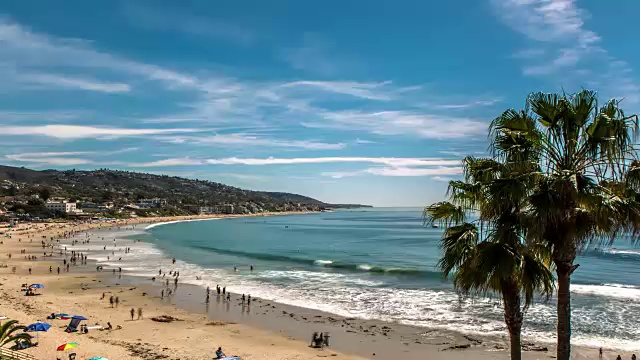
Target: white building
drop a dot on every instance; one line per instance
(62, 206)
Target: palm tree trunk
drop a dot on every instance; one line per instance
(513, 318)
(564, 270)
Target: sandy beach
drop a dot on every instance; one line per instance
(265, 330)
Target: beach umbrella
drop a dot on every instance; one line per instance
(36, 286)
(78, 317)
(39, 326)
(98, 358)
(67, 346)
(63, 316)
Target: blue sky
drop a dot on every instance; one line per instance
(347, 101)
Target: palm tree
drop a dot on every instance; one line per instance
(490, 255)
(8, 333)
(586, 191)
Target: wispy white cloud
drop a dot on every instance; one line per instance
(66, 158)
(410, 123)
(50, 158)
(390, 161)
(63, 81)
(442, 178)
(254, 140)
(24, 48)
(547, 20)
(80, 132)
(370, 91)
(22, 117)
(363, 141)
(176, 19)
(466, 105)
(566, 49)
(409, 171)
(399, 167)
(435, 172)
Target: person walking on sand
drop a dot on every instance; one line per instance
(117, 301)
(58, 270)
(162, 294)
(29, 271)
(111, 301)
(224, 290)
(633, 357)
(50, 269)
(140, 314)
(600, 353)
(133, 311)
(228, 296)
(619, 357)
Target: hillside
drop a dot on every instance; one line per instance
(124, 187)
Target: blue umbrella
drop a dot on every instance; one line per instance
(39, 326)
(79, 317)
(36, 286)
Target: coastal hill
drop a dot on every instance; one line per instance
(124, 187)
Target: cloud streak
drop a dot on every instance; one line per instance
(391, 161)
(71, 132)
(408, 123)
(69, 82)
(254, 140)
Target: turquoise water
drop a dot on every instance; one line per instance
(380, 264)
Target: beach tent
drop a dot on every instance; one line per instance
(73, 324)
(36, 286)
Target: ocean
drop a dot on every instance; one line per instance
(375, 264)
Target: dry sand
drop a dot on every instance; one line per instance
(271, 332)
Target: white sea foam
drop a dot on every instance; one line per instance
(623, 252)
(608, 290)
(323, 262)
(151, 226)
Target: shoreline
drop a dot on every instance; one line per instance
(288, 323)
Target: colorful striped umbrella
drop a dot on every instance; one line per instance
(68, 346)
